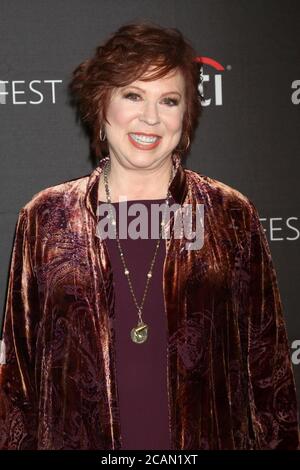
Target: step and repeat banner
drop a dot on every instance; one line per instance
(248, 136)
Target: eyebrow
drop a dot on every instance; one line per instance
(141, 89)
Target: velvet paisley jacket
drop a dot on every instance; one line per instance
(230, 378)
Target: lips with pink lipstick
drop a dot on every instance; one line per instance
(144, 141)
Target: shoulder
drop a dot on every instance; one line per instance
(216, 194)
(60, 195)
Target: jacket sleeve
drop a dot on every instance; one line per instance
(273, 400)
(18, 414)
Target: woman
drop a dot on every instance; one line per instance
(130, 343)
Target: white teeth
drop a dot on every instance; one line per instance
(144, 139)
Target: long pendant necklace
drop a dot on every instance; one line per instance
(139, 333)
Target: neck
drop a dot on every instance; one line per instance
(136, 184)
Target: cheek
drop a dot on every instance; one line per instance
(175, 123)
(173, 119)
(119, 114)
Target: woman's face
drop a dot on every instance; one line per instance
(155, 108)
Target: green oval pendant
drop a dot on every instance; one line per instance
(139, 334)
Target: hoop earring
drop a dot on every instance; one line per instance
(102, 137)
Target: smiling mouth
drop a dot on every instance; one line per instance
(144, 142)
(144, 138)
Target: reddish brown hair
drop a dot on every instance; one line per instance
(126, 57)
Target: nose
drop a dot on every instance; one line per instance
(150, 114)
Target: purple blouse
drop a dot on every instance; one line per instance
(141, 368)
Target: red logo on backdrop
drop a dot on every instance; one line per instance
(215, 79)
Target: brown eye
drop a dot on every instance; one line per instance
(129, 95)
(173, 101)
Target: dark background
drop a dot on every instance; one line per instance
(250, 141)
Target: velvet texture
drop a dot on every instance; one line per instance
(230, 379)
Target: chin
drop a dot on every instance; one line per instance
(142, 161)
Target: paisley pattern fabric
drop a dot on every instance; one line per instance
(230, 378)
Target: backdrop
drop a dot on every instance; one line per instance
(248, 135)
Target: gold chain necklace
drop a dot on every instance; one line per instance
(138, 334)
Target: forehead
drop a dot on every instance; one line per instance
(171, 82)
